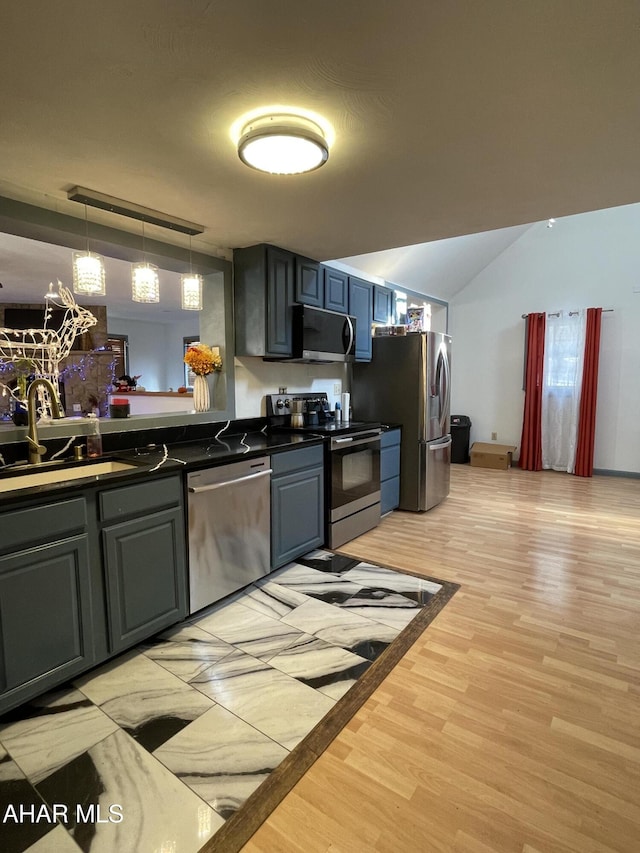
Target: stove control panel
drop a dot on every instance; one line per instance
(280, 404)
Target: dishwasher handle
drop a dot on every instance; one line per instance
(194, 490)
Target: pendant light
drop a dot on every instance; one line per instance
(191, 284)
(88, 269)
(145, 285)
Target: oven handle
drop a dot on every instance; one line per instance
(353, 441)
(194, 490)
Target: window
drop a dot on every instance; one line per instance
(189, 375)
(119, 345)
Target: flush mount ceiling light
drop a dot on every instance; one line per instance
(283, 144)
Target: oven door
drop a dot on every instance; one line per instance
(355, 474)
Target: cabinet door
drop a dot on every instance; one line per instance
(45, 618)
(382, 304)
(336, 290)
(309, 282)
(297, 515)
(145, 575)
(361, 307)
(280, 277)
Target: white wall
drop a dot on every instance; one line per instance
(256, 378)
(584, 261)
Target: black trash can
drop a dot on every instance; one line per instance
(460, 430)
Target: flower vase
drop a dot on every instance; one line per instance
(201, 394)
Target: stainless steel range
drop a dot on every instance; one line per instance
(352, 463)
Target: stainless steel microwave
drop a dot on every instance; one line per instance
(320, 335)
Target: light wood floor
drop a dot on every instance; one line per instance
(513, 724)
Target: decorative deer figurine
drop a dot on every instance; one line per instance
(45, 348)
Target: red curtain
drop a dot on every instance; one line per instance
(531, 441)
(588, 395)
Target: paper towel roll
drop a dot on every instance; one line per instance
(346, 406)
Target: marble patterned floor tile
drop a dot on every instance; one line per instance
(322, 585)
(326, 668)
(56, 841)
(145, 699)
(360, 635)
(390, 608)
(274, 703)
(52, 730)
(120, 798)
(325, 561)
(221, 758)
(24, 816)
(377, 577)
(186, 650)
(272, 599)
(248, 630)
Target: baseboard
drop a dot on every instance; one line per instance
(634, 475)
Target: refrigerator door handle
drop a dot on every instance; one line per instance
(440, 445)
(444, 411)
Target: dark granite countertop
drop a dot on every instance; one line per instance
(153, 461)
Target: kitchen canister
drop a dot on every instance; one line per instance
(345, 400)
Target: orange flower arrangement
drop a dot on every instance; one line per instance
(202, 360)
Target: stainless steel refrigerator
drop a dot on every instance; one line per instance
(408, 381)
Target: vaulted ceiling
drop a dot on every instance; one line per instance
(450, 118)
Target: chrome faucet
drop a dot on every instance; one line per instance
(37, 450)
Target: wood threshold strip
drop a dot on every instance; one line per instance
(239, 828)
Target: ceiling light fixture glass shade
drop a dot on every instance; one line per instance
(191, 291)
(145, 285)
(88, 274)
(283, 145)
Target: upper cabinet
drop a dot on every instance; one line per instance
(264, 290)
(382, 304)
(361, 307)
(309, 283)
(268, 280)
(336, 290)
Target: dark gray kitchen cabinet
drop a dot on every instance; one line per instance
(361, 307)
(144, 559)
(263, 281)
(297, 503)
(336, 290)
(389, 470)
(85, 577)
(309, 282)
(46, 625)
(382, 304)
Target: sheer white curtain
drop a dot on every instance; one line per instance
(562, 381)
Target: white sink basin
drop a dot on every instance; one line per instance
(41, 478)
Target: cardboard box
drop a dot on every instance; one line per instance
(490, 455)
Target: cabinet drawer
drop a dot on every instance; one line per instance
(137, 499)
(294, 460)
(389, 462)
(390, 437)
(389, 495)
(44, 522)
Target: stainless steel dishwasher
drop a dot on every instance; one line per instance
(229, 513)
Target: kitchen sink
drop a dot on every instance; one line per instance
(61, 475)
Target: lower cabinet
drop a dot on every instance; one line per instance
(86, 577)
(46, 625)
(389, 470)
(297, 503)
(145, 576)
